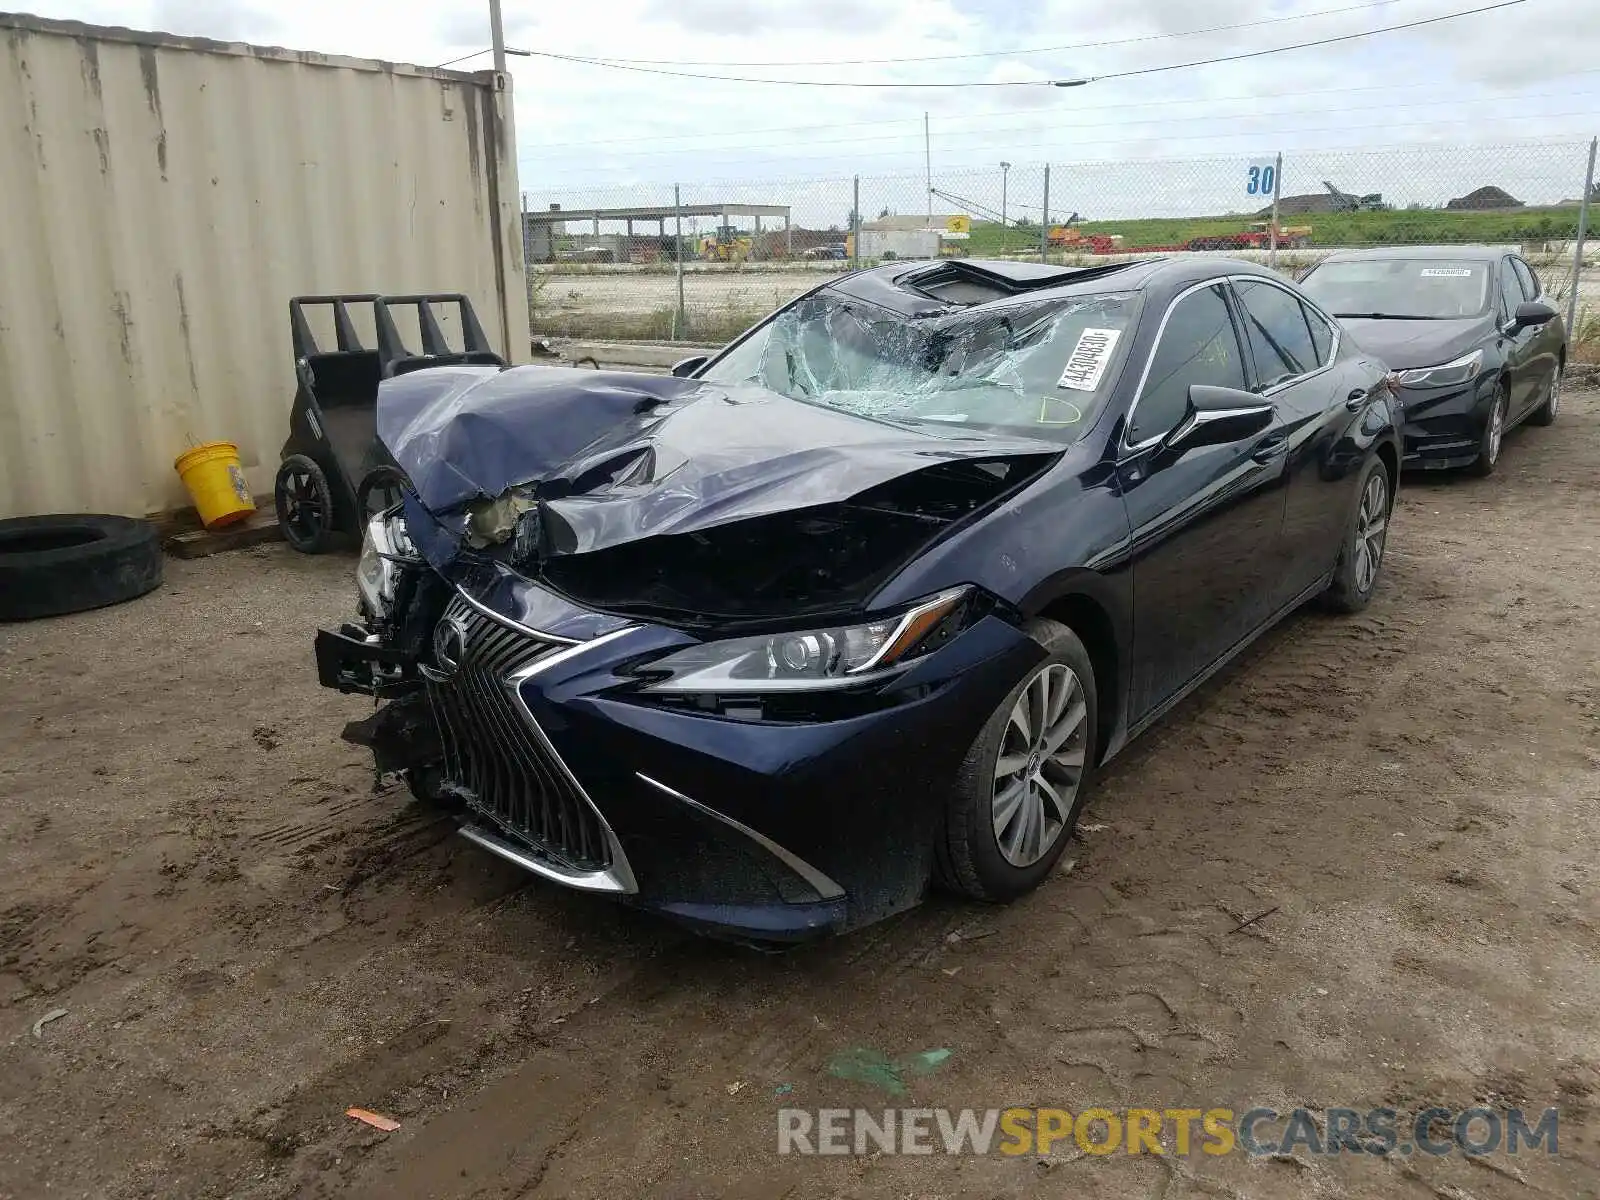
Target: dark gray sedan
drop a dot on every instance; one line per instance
(1477, 345)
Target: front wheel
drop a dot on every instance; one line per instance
(1361, 553)
(1025, 779)
(1494, 432)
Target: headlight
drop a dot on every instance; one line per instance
(385, 541)
(810, 659)
(1462, 370)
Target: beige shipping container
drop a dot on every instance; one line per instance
(162, 198)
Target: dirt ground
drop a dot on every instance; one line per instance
(247, 938)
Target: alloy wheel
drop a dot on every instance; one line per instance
(1372, 525)
(1497, 428)
(1040, 764)
(1554, 403)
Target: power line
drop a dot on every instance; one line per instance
(865, 62)
(1011, 83)
(1188, 102)
(480, 53)
(991, 131)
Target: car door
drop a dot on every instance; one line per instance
(1204, 520)
(1548, 340)
(1293, 352)
(1519, 349)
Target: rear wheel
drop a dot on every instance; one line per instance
(305, 505)
(1025, 779)
(1361, 556)
(1494, 432)
(1547, 412)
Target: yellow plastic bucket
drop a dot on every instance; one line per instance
(215, 480)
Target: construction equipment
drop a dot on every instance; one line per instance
(1348, 202)
(1257, 237)
(1064, 237)
(726, 245)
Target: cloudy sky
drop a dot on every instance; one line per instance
(602, 134)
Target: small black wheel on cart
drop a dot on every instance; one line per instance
(305, 505)
(381, 489)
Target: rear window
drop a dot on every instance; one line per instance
(1432, 288)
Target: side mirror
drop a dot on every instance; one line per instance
(688, 366)
(1219, 415)
(1532, 312)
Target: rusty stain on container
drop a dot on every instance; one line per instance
(159, 301)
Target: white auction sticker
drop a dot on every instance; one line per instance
(1089, 358)
(1447, 272)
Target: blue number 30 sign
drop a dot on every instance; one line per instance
(1261, 179)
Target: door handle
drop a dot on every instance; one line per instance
(1270, 447)
(1356, 399)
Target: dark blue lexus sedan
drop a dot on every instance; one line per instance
(862, 602)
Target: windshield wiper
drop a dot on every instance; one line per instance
(1383, 316)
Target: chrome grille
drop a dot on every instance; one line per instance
(496, 757)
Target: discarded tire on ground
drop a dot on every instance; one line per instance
(64, 564)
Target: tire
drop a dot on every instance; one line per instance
(50, 566)
(1493, 436)
(1355, 576)
(971, 857)
(305, 505)
(380, 491)
(1547, 412)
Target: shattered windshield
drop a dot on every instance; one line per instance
(1041, 367)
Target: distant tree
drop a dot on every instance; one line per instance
(885, 213)
(850, 220)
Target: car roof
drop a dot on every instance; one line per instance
(1459, 253)
(913, 286)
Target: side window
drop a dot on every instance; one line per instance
(1321, 336)
(1198, 345)
(1510, 289)
(1280, 339)
(1526, 277)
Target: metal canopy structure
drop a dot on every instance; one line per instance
(659, 214)
(541, 226)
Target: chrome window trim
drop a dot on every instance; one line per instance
(1161, 329)
(825, 887)
(1333, 349)
(1150, 360)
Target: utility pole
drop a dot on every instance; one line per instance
(1005, 175)
(1272, 236)
(1577, 248)
(927, 163)
(497, 36)
(1044, 219)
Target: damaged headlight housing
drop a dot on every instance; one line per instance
(836, 656)
(384, 545)
(1461, 370)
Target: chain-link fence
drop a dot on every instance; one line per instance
(703, 261)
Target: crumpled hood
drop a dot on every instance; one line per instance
(1403, 345)
(611, 457)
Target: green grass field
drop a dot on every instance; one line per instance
(1418, 227)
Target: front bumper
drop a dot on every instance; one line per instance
(1443, 427)
(746, 822)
